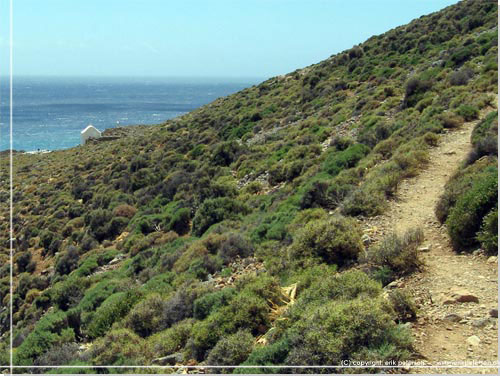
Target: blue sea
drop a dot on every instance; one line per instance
(49, 113)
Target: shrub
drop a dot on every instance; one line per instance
(216, 210)
(211, 302)
(414, 90)
(335, 241)
(488, 235)
(403, 305)
(398, 253)
(235, 246)
(468, 112)
(68, 293)
(460, 77)
(125, 210)
(114, 308)
(63, 354)
(120, 347)
(52, 329)
(354, 329)
(484, 136)
(462, 181)
(466, 216)
(181, 221)
(338, 161)
(178, 307)
(172, 339)
(22, 261)
(231, 350)
(145, 318)
(68, 261)
(450, 120)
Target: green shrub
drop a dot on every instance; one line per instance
(398, 253)
(146, 316)
(52, 329)
(180, 222)
(488, 235)
(354, 329)
(467, 215)
(114, 308)
(403, 305)
(462, 181)
(211, 302)
(335, 241)
(231, 350)
(484, 136)
(171, 340)
(468, 112)
(120, 347)
(338, 161)
(216, 210)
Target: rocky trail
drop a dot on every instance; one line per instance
(456, 294)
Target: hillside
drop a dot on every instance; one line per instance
(243, 232)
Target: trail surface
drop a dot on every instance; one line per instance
(445, 331)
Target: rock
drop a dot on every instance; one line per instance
(460, 296)
(481, 322)
(169, 359)
(494, 312)
(492, 259)
(453, 317)
(427, 248)
(473, 340)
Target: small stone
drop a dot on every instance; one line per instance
(492, 259)
(473, 340)
(494, 312)
(169, 359)
(425, 249)
(463, 296)
(453, 317)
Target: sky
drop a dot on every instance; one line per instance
(191, 38)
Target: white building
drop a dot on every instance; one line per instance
(89, 132)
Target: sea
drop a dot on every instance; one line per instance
(49, 112)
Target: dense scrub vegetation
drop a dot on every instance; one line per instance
(469, 206)
(120, 245)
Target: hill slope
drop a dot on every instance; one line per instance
(179, 240)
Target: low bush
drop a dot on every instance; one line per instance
(171, 340)
(120, 347)
(235, 246)
(340, 160)
(216, 210)
(230, 350)
(488, 234)
(398, 253)
(334, 241)
(146, 316)
(403, 305)
(211, 302)
(462, 181)
(468, 112)
(52, 329)
(467, 215)
(114, 308)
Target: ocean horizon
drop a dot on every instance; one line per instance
(49, 112)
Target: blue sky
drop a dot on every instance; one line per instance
(195, 38)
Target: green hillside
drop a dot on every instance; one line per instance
(233, 234)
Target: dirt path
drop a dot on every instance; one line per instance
(443, 330)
